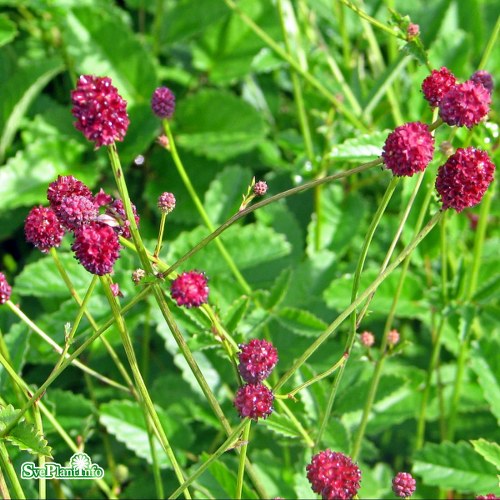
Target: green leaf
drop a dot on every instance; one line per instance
(454, 466)
(26, 438)
(125, 421)
(17, 343)
(279, 289)
(301, 322)
(235, 313)
(224, 195)
(365, 147)
(218, 125)
(240, 241)
(490, 451)
(484, 362)
(42, 279)
(282, 425)
(91, 34)
(8, 30)
(18, 92)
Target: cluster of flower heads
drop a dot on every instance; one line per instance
(95, 221)
(190, 289)
(462, 181)
(257, 360)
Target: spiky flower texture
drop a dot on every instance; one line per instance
(43, 229)
(403, 485)
(408, 149)
(190, 289)
(437, 84)
(163, 102)
(257, 360)
(100, 111)
(166, 202)
(465, 105)
(254, 401)
(463, 180)
(96, 247)
(333, 475)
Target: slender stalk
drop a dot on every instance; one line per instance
(10, 472)
(147, 402)
(242, 457)
(296, 422)
(373, 286)
(42, 482)
(201, 210)
(355, 288)
(314, 82)
(4, 489)
(490, 45)
(160, 234)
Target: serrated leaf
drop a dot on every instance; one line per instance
(454, 466)
(235, 313)
(7, 413)
(364, 147)
(301, 322)
(18, 92)
(42, 279)
(125, 421)
(484, 362)
(282, 425)
(279, 289)
(218, 125)
(490, 451)
(240, 241)
(26, 438)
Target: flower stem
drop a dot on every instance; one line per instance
(6, 465)
(242, 457)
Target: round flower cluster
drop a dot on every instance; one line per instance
(260, 188)
(166, 203)
(403, 485)
(100, 112)
(163, 102)
(367, 339)
(116, 210)
(408, 149)
(393, 337)
(257, 360)
(463, 180)
(5, 289)
(437, 84)
(190, 289)
(333, 475)
(489, 496)
(43, 229)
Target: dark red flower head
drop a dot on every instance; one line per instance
(63, 186)
(484, 78)
(97, 248)
(163, 102)
(333, 475)
(5, 289)
(465, 105)
(43, 229)
(412, 31)
(254, 401)
(117, 211)
(75, 211)
(408, 149)
(257, 360)
(403, 484)
(260, 188)
(100, 112)
(462, 181)
(437, 84)
(489, 496)
(190, 289)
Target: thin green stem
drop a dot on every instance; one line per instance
(10, 472)
(296, 422)
(492, 42)
(230, 442)
(373, 286)
(160, 234)
(242, 458)
(147, 402)
(42, 482)
(201, 210)
(314, 82)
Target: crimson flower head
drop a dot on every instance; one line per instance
(484, 78)
(75, 211)
(463, 180)
(64, 186)
(43, 229)
(96, 247)
(5, 289)
(190, 289)
(257, 360)
(163, 102)
(166, 202)
(333, 475)
(412, 31)
(408, 149)
(403, 485)
(117, 211)
(465, 105)
(489, 496)
(100, 112)
(437, 84)
(254, 401)
(260, 188)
